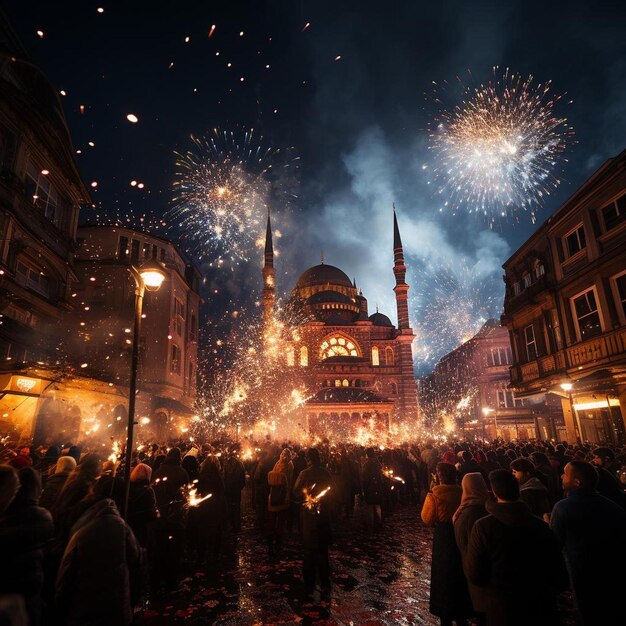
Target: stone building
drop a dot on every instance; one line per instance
(565, 308)
(40, 196)
(357, 367)
(468, 393)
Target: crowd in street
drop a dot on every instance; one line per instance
(515, 524)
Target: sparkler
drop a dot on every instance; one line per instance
(311, 502)
(193, 499)
(223, 188)
(497, 151)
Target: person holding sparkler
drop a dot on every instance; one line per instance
(312, 485)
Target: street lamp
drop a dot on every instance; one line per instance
(567, 387)
(486, 412)
(150, 275)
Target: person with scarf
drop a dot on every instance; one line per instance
(279, 501)
(449, 596)
(472, 508)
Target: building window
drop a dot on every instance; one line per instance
(338, 346)
(516, 288)
(175, 364)
(345, 382)
(375, 357)
(393, 387)
(613, 214)
(586, 313)
(337, 382)
(304, 356)
(32, 277)
(620, 294)
(507, 399)
(575, 241)
(531, 345)
(388, 356)
(192, 328)
(134, 251)
(122, 250)
(538, 269)
(40, 191)
(499, 356)
(527, 279)
(179, 312)
(290, 356)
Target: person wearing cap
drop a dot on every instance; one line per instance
(532, 491)
(605, 457)
(167, 532)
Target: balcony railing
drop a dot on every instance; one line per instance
(591, 352)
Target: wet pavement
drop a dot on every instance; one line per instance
(377, 580)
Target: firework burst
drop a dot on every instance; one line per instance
(497, 152)
(224, 185)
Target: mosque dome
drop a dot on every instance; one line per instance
(321, 275)
(378, 319)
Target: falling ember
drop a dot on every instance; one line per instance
(100, 10)
(40, 34)
(82, 109)
(133, 183)
(94, 184)
(338, 57)
(131, 117)
(305, 27)
(212, 30)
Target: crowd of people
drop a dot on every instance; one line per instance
(515, 524)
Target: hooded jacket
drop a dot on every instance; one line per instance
(515, 556)
(93, 584)
(534, 493)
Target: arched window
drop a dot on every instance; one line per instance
(393, 388)
(345, 382)
(304, 356)
(337, 382)
(338, 345)
(388, 356)
(290, 356)
(375, 357)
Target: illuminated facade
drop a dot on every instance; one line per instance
(357, 368)
(565, 308)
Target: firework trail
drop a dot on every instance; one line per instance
(498, 152)
(224, 185)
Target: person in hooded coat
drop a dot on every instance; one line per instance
(471, 509)
(515, 558)
(25, 529)
(532, 491)
(142, 508)
(280, 483)
(449, 595)
(65, 465)
(94, 581)
(234, 481)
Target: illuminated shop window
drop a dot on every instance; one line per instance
(290, 356)
(304, 356)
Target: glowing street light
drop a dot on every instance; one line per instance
(148, 276)
(567, 387)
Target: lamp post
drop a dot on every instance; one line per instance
(567, 387)
(148, 276)
(486, 412)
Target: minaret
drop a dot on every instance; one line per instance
(399, 269)
(269, 293)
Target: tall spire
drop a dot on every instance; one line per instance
(399, 269)
(269, 247)
(268, 272)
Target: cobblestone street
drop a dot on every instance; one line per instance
(377, 579)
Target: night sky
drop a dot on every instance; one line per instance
(358, 124)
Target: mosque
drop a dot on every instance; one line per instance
(357, 368)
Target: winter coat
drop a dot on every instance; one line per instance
(534, 493)
(25, 530)
(592, 531)
(234, 478)
(52, 490)
(315, 525)
(462, 530)
(373, 482)
(449, 595)
(514, 556)
(167, 483)
(142, 509)
(209, 518)
(93, 584)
